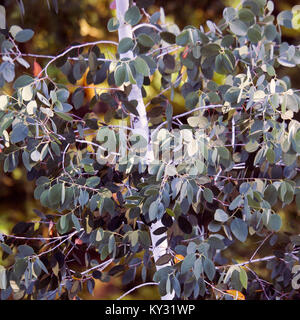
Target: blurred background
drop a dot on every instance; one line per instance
(59, 23)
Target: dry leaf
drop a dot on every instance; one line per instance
(178, 258)
(237, 295)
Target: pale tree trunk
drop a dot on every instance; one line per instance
(141, 127)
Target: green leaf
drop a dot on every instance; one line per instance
(144, 239)
(252, 146)
(236, 202)
(78, 98)
(76, 222)
(141, 66)
(270, 194)
(211, 50)
(79, 69)
(25, 251)
(214, 226)
(170, 212)
(209, 269)
(125, 45)
(93, 63)
(243, 278)
(130, 74)
(111, 243)
(270, 32)
(240, 229)
(131, 106)
(223, 64)
(198, 268)
(191, 100)
(169, 61)
(232, 94)
(285, 18)
(20, 267)
(24, 35)
(54, 195)
(254, 34)
(120, 75)
(62, 222)
(208, 195)
(285, 63)
(229, 14)
(275, 222)
(238, 27)
(145, 40)
(153, 210)
(41, 265)
(92, 182)
(223, 152)
(23, 81)
(19, 133)
(113, 24)
(221, 215)
(83, 197)
(134, 237)
(168, 37)
(164, 259)
(286, 193)
(6, 248)
(270, 155)
(246, 15)
(133, 15)
(64, 116)
(184, 225)
(62, 95)
(183, 38)
(188, 263)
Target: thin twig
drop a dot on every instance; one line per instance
(233, 133)
(258, 248)
(72, 48)
(44, 56)
(142, 25)
(252, 261)
(100, 267)
(137, 287)
(52, 249)
(259, 281)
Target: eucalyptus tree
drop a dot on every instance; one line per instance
(162, 195)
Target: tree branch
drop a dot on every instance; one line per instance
(137, 287)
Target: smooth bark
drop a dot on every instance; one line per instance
(141, 127)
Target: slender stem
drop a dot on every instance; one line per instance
(258, 248)
(233, 133)
(45, 56)
(213, 106)
(95, 145)
(137, 287)
(259, 281)
(72, 48)
(149, 25)
(250, 261)
(100, 267)
(57, 246)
